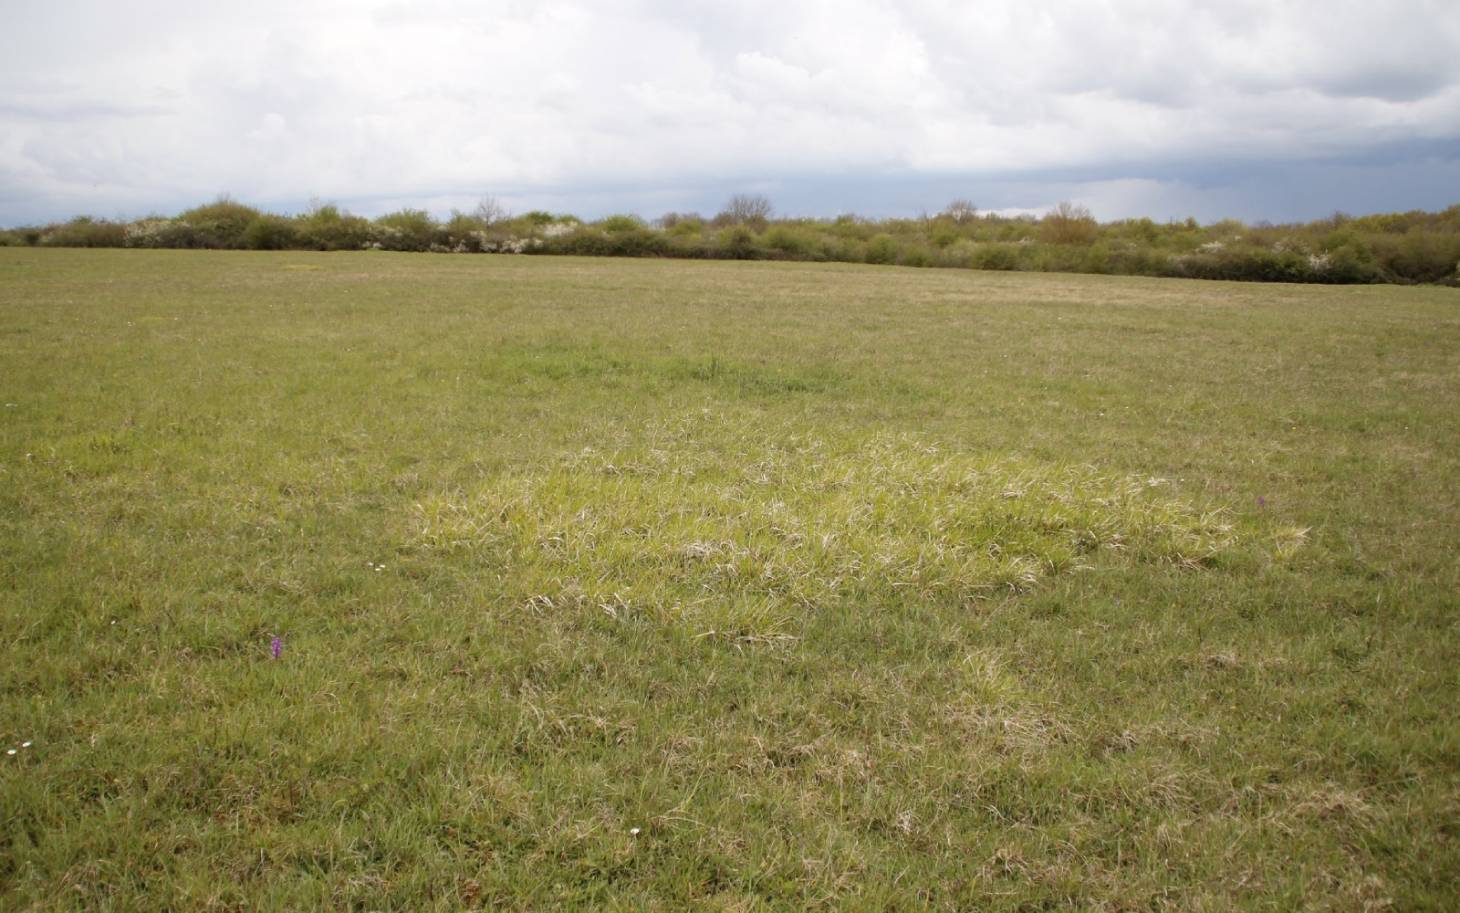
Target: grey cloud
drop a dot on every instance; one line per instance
(77, 111)
(624, 100)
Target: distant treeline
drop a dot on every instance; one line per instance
(1409, 247)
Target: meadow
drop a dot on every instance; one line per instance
(388, 581)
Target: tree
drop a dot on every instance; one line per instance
(1069, 223)
(747, 209)
(490, 212)
(961, 211)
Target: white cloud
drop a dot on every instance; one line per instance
(126, 107)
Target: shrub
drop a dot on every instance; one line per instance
(1351, 263)
(996, 255)
(462, 224)
(591, 242)
(673, 219)
(1143, 230)
(881, 249)
(220, 224)
(406, 229)
(163, 233)
(687, 227)
(1246, 263)
(637, 242)
(620, 223)
(793, 243)
(1096, 259)
(738, 243)
(326, 228)
(84, 231)
(958, 255)
(1051, 258)
(1068, 223)
(916, 255)
(1418, 255)
(691, 246)
(1126, 259)
(267, 232)
(942, 234)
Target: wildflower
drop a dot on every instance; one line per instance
(276, 646)
(25, 744)
(1261, 501)
(10, 751)
(633, 831)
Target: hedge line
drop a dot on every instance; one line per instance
(1410, 247)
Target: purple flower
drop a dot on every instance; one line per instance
(1261, 501)
(276, 646)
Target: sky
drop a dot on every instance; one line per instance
(1269, 110)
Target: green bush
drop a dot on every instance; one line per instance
(1418, 255)
(1096, 259)
(326, 228)
(958, 255)
(84, 231)
(791, 242)
(738, 243)
(881, 249)
(620, 223)
(267, 232)
(916, 255)
(944, 233)
(1352, 263)
(407, 229)
(592, 242)
(219, 225)
(1246, 263)
(687, 227)
(1127, 259)
(997, 255)
(464, 232)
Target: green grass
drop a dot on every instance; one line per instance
(633, 584)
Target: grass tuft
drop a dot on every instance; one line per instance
(717, 524)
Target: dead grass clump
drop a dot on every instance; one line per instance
(734, 534)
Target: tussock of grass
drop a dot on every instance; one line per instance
(740, 525)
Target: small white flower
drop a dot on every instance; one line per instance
(25, 744)
(10, 751)
(633, 831)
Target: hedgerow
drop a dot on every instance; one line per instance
(1407, 247)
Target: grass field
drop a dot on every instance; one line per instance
(652, 585)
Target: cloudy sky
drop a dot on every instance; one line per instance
(1259, 110)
